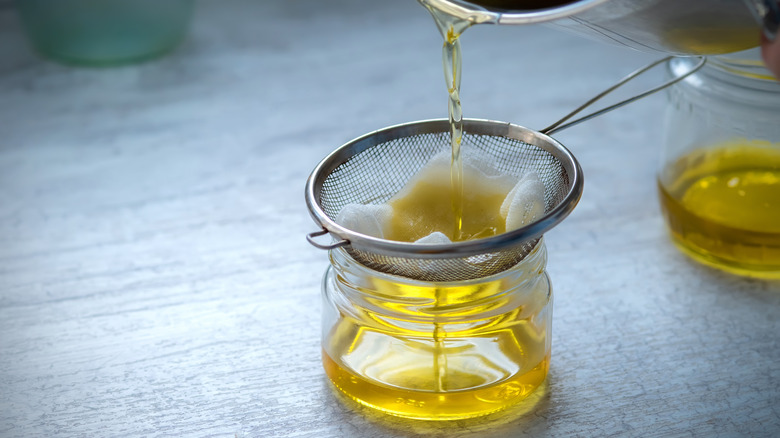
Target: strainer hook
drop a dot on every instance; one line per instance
(310, 238)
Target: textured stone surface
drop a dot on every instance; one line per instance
(154, 278)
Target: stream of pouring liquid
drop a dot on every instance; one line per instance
(450, 28)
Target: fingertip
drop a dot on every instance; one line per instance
(770, 52)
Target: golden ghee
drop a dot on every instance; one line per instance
(722, 205)
(430, 405)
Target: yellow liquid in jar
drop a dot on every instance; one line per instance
(428, 405)
(722, 206)
(703, 39)
(457, 358)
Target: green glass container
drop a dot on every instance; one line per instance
(104, 32)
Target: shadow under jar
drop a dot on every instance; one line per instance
(719, 180)
(436, 351)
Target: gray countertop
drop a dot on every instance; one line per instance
(155, 279)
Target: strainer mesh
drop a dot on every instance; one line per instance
(374, 175)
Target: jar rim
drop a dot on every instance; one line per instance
(739, 79)
(746, 63)
(744, 69)
(536, 257)
(348, 283)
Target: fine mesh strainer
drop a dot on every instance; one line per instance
(374, 167)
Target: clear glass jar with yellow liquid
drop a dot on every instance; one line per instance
(719, 180)
(436, 351)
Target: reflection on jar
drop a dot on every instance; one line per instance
(719, 181)
(436, 351)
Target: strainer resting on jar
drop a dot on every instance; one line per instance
(373, 168)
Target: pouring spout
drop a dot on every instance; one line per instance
(672, 27)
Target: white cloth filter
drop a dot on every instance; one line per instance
(524, 201)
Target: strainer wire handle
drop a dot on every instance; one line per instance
(560, 125)
(310, 237)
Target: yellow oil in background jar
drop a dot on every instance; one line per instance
(436, 351)
(719, 181)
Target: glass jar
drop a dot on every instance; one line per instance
(719, 179)
(436, 351)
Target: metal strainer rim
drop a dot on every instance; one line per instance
(393, 248)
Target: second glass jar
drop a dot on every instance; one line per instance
(719, 180)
